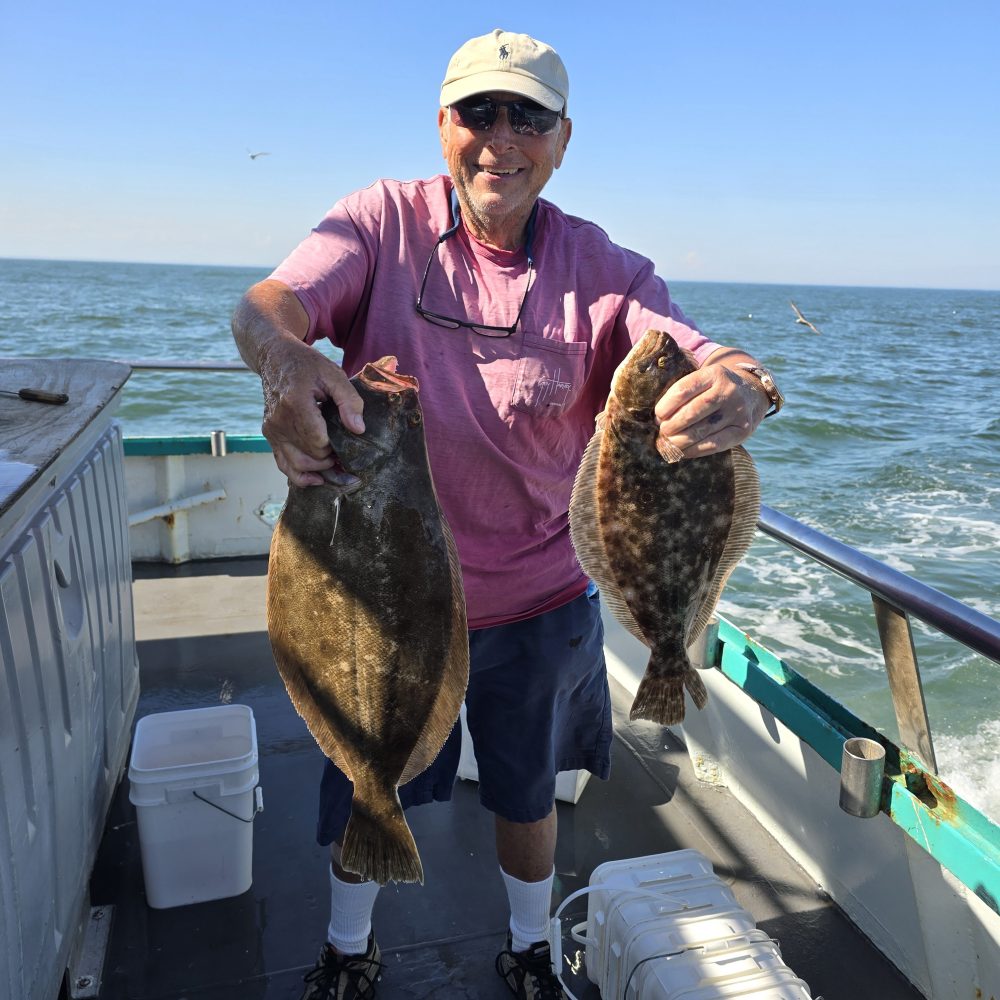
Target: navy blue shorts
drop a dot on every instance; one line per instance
(537, 703)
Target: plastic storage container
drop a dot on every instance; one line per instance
(727, 968)
(616, 883)
(194, 784)
(666, 927)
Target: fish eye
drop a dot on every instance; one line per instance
(661, 362)
(415, 419)
(394, 398)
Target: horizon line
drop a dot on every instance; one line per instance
(670, 282)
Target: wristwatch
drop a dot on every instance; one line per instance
(766, 380)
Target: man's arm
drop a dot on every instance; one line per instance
(714, 408)
(270, 326)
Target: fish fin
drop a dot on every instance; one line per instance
(379, 846)
(588, 543)
(746, 511)
(583, 525)
(669, 452)
(660, 697)
(444, 712)
(286, 555)
(696, 688)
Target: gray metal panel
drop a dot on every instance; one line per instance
(68, 689)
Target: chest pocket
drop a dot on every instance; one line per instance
(549, 376)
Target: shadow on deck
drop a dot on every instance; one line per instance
(202, 642)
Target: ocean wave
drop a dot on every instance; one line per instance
(970, 763)
(991, 430)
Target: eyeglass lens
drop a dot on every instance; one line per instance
(525, 117)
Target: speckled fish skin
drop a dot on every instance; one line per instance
(660, 538)
(366, 616)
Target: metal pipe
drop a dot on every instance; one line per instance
(167, 365)
(861, 773)
(970, 627)
(182, 503)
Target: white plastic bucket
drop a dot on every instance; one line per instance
(193, 778)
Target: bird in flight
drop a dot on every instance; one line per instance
(801, 318)
(253, 156)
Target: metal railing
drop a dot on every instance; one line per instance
(162, 364)
(895, 597)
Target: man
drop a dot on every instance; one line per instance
(513, 316)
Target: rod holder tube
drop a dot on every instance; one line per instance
(218, 443)
(861, 773)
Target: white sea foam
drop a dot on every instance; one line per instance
(936, 525)
(971, 765)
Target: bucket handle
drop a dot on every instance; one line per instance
(258, 795)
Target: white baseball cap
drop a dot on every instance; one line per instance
(503, 60)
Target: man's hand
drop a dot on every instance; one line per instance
(270, 326)
(296, 380)
(712, 409)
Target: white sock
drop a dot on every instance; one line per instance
(530, 903)
(351, 907)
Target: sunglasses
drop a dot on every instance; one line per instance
(525, 117)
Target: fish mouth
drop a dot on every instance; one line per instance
(382, 376)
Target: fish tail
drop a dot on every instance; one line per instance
(660, 697)
(696, 688)
(379, 845)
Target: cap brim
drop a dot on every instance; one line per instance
(505, 80)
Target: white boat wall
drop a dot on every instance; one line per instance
(921, 879)
(69, 676)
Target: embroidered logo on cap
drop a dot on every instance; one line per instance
(504, 53)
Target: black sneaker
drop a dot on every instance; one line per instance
(344, 977)
(529, 973)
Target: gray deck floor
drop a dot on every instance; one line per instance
(202, 642)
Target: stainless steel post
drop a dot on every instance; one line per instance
(861, 773)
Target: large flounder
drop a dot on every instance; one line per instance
(658, 536)
(366, 616)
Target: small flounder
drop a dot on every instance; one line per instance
(366, 616)
(659, 536)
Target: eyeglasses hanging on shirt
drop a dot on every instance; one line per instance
(452, 323)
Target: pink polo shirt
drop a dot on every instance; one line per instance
(506, 420)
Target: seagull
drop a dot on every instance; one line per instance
(253, 156)
(801, 318)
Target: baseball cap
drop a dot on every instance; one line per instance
(503, 60)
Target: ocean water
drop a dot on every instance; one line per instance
(889, 442)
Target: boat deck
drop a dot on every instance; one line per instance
(202, 642)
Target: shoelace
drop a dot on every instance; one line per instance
(535, 963)
(367, 968)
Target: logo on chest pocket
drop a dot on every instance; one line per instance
(549, 376)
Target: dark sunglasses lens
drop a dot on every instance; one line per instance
(528, 118)
(478, 116)
(525, 117)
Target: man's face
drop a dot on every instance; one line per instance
(498, 174)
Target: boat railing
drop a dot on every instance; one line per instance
(895, 596)
(164, 365)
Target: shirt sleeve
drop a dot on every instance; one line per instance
(649, 306)
(331, 269)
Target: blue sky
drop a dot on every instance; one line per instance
(835, 143)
